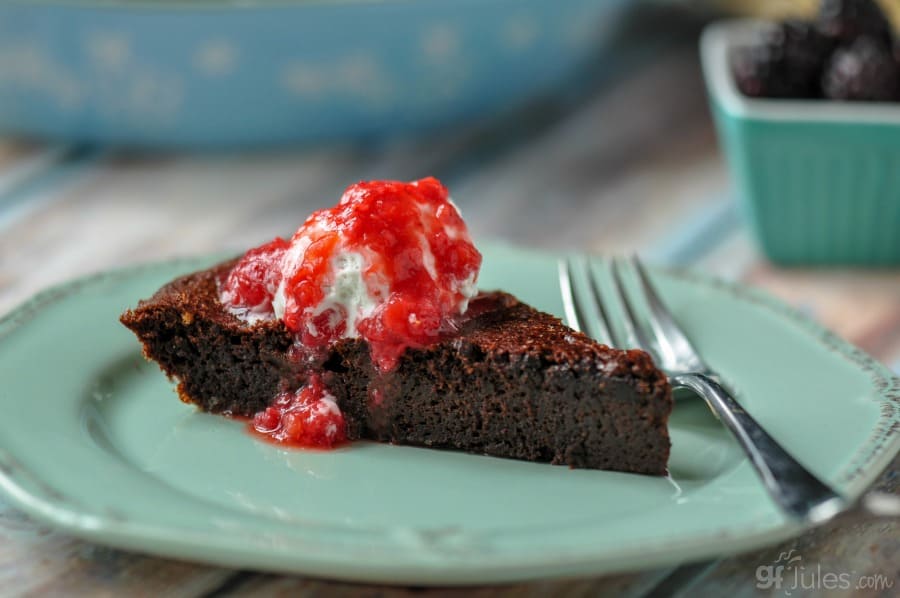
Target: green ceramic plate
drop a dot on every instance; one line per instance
(95, 442)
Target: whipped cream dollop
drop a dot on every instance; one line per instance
(392, 263)
(348, 295)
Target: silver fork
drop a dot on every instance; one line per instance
(798, 492)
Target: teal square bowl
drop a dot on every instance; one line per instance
(818, 180)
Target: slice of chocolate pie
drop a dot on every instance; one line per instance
(367, 325)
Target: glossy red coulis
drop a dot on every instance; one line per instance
(392, 263)
(308, 417)
(252, 283)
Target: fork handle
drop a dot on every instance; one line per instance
(801, 494)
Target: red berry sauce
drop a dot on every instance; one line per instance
(307, 418)
(391, 263)
(250, 285)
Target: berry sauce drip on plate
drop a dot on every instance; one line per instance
(307, 417)
(391, 263)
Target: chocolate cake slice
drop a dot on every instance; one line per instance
(512, 382)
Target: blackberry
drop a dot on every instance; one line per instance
(786, 63)
(864, 70)
(845, 20)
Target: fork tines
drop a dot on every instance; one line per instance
(642, 320)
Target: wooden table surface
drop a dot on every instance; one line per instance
(632, 166)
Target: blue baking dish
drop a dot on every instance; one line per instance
(227, 73)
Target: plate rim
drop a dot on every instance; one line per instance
(857, 474)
